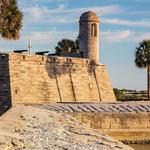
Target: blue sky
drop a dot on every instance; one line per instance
(124, 23)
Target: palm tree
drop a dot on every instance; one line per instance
(66, 46)
(10, 19)
(142, 60)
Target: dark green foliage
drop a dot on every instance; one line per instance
(66, 46)
(142, 54)
(10, 20)
(119, 94)
(129, 95)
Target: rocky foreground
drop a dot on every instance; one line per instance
(32, 128)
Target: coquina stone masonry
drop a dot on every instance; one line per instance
(89, 36)
(128, 122)
(42, 79)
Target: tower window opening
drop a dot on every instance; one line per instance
(94, 29)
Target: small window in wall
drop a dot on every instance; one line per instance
(94, 29)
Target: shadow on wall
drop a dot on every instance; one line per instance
(55, 68)
(71, 77)
(5, 88)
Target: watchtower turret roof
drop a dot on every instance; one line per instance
(89, 16)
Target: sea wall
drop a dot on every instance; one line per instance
(126, 121)
(131, 128)
(42, 79)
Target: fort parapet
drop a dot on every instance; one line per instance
(43, 79)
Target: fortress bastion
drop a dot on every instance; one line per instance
(43, 79)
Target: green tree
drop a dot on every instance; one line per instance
(66, 46)
(119, 94)
(10, 20)
(142, 60)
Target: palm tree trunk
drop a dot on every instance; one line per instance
(148, 82)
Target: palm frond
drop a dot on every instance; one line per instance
(10, 21)
(142, 54)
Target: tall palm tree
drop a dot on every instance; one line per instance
(10, 19)
(142, 60)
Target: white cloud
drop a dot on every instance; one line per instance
(116, 36)
(40, 40)
(62, 14)
(141, 23)
(51, 37)
(123, 36)
(139, 36)
(101, 10)
(145, 13)
(25, 3)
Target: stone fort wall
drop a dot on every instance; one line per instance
(128, 127)
(38, 79)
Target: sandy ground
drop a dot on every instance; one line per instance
(32, 128)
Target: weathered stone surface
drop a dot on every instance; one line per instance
(89, 36)
(32, 128)
(41, 79)
(128, 122)
(118, 107)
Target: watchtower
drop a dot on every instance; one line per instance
(89, 36)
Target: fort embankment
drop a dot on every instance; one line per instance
(32, 128)
(128, 122)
